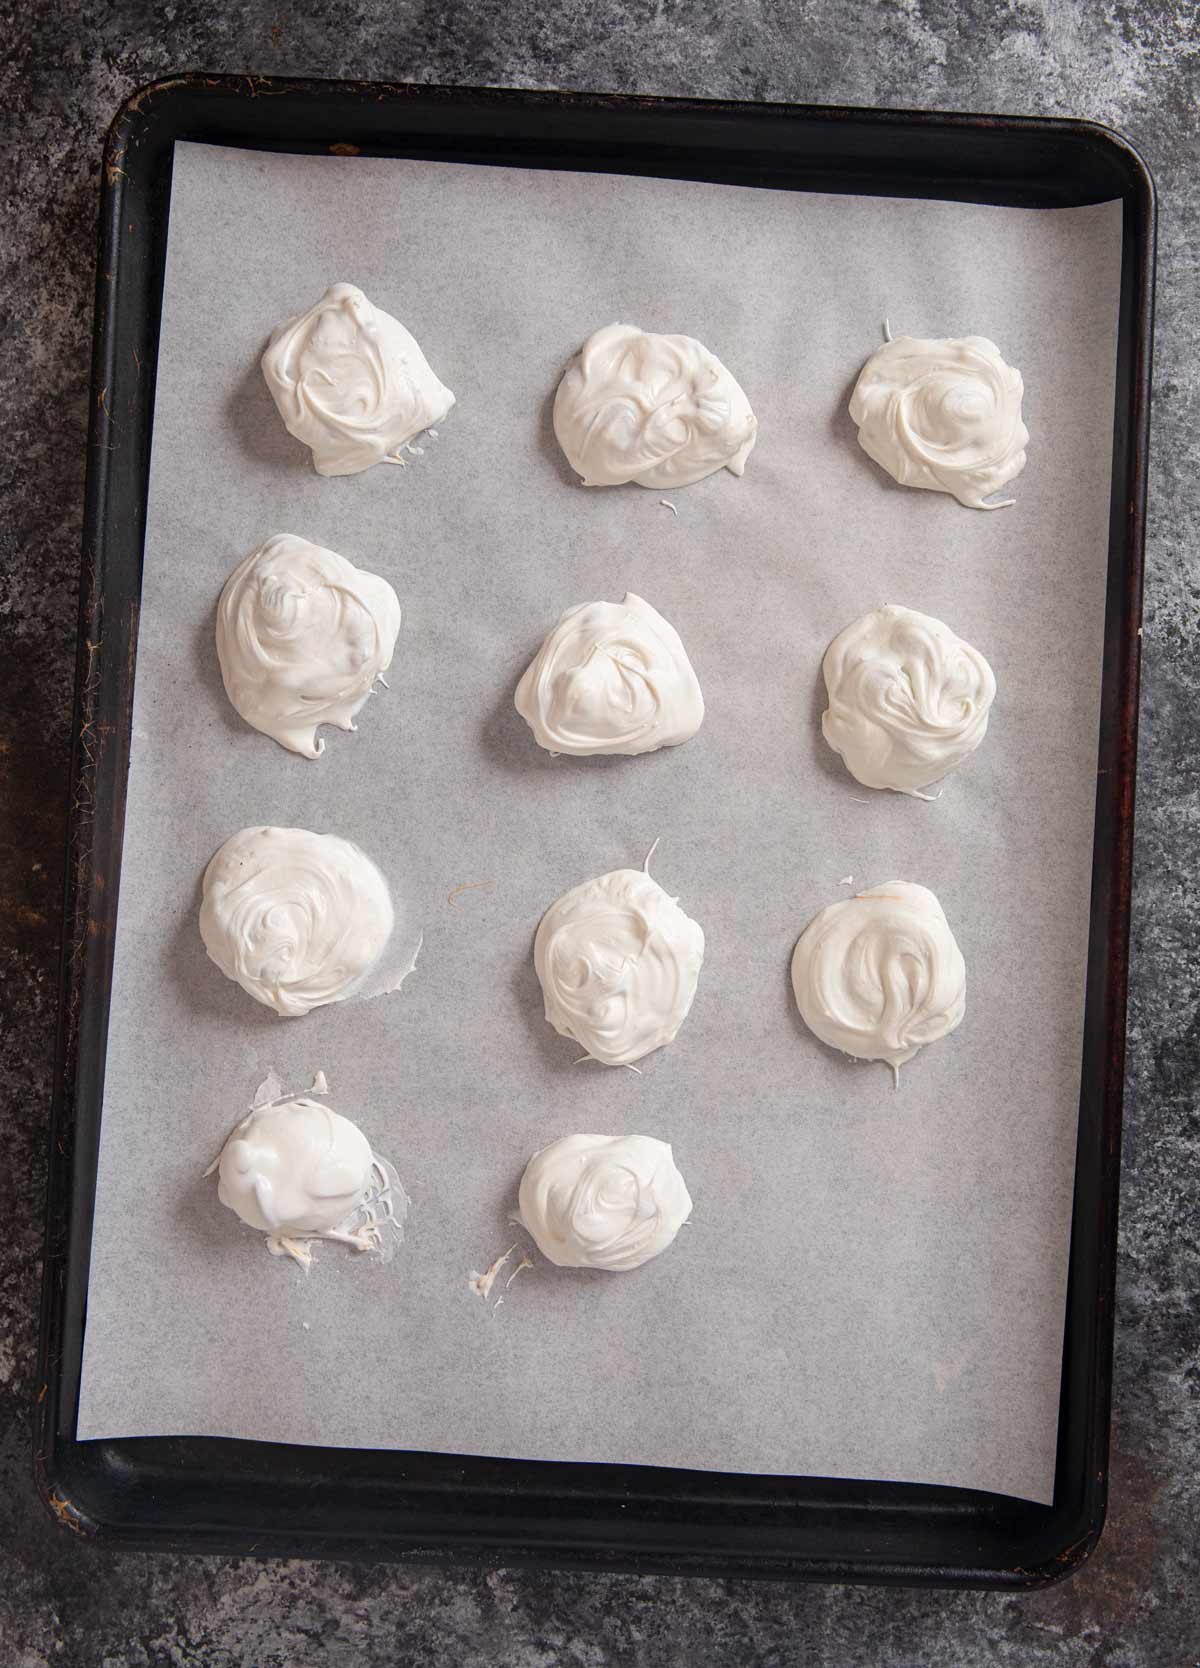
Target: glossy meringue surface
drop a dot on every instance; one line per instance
(943, 414)
(659, 410)
(351, 382)
(908, 699)
(297, 919)
(618, 962)
(611, 677)
(295, 1168)
(879, 975)
(606, 1202)
(302, 635)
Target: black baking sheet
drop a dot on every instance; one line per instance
(716, 136)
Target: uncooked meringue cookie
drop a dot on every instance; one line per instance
(879, 975)
(599, 1201)
(298, 919)
(943, 414)
(659, 410)
(302, 635)
(908, 700)
(618, 962)
(298, 1171)
(611, 677)
(350, 382)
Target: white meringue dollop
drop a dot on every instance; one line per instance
(302, 635)
(611, 677)
(908, 700)
(944, 414)
(350, 382)
(297, 919)
(879, 975)
(598, 1201)
(618, 962)
(299, 1171)
(659, 410)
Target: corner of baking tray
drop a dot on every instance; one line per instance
(1126, 157)
(132, 118)
(1068, 1560)
(65, 1512)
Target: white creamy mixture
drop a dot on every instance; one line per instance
(298, 1171)
(598, 1201)
(302, 635)
(659, 410)
(611, 677)
(879, 975)
(908, 700)
(298, 919)
(618, 962)
(351, 383)
(943, 414)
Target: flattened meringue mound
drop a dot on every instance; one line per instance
(908, 700)
(611, 677)
(302, 635)
(351, 383)
(297, 919)
(879, 975)
(618, 962)
(943, 414)
(599, 1201)
(298, 1171)
(659, 410)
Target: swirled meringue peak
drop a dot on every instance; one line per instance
(351, 383)
(611, 677)
(908, 700)
(943, 414)
(302, 635)
(297, 919)
(879, 975)
(600, 1201)
(659, 410)
(618, 962)
(297, 1171)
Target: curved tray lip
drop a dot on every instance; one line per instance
(91, 1488)
(266, 86)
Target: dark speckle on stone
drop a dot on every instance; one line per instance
(66, 67)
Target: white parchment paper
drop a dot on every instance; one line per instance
(873, 1283)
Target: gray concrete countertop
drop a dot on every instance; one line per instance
(64, 69)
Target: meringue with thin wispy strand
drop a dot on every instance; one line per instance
(879, 975)
(297, 919)
(618, 962)
(943, 414)
(302, 636)
(297, 1171)
(659, 410)
(351, 383)
(908, 700)
(600, 1201)
(611, 677)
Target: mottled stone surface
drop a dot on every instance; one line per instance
(65, 69)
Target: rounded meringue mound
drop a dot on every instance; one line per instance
(879, 975)
(618, 962)
(350, 382)
(296, 1169)
(302, 635)
(297, 919)
(908, 700)
(611, 677)
(608, 1202)
(944, 414)
(659, 410)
